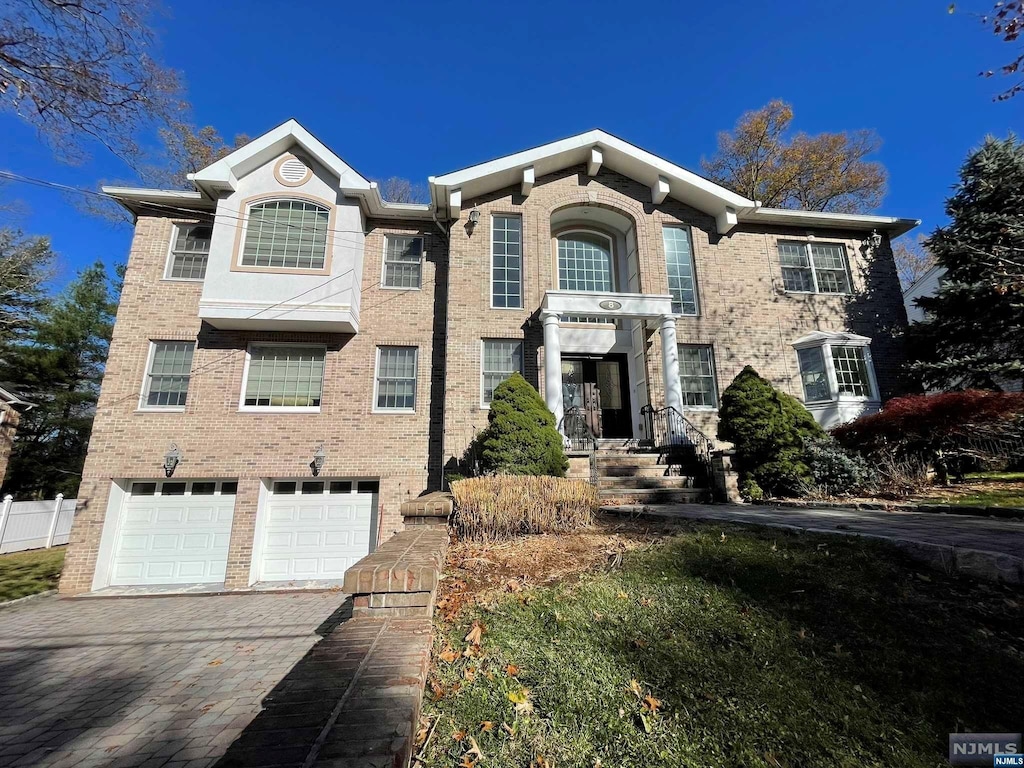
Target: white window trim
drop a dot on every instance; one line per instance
(247, 217)
(169, 263)
(714, 378)
(243, 408)
(611, 251)
(830, 371)
(416, 379)
(384, 262)
(522, 262)
(693, 267)
(814, 274)
(485, 405)
(147, 378)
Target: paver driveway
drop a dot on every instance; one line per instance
(158, 681)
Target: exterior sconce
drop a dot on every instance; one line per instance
(474, 217)
(171, 460)
(875, 239)
(318, 460)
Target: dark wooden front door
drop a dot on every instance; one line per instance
(601, 387)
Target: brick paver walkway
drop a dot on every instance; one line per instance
(146, 681)
(980, 533)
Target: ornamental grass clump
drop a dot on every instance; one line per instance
(504, 506)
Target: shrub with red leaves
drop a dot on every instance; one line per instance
(931, 418)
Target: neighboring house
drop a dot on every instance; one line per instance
(11, 408)
(927, 284)
(317, 355)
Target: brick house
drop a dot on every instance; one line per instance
(294, 357)
(11, 407)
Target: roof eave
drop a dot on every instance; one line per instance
(893, 226)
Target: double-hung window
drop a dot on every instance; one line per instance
(170, 367)
(697, 376)
(190, 250)
(835, 366)
(396, 379)
(403, 261)
(286, 234)
(284, 377)
(682, 283)
(814, 267)
(507, 262)
(501, 358)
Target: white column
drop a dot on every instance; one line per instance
(552, 366)
(670, 363)
(53, 523)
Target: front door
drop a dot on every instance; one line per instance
(601, 387)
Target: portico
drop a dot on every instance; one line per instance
(617, 324)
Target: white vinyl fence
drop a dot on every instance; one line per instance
(35, 524)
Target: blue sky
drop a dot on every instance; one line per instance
(415, 89)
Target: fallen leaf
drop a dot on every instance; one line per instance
(723, 537)
(459, 735)
(646, 602)
(511, 670)
(598, 616)
(471, 652)
(487, 725)
(215, 663)
(474, 749)
(640, 643)
(646, 721)
(469, 674)
(467, 762)
(517, 697)
(802, 634)
(437, 689)
(634, 686)
(448, 655)
(475, 634)
(652, 703)
(622, 596)
(508, 729)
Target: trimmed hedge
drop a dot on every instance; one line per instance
(770, 431)
(521, 438)
(504, 506)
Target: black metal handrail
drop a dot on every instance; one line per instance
(580, 437)
(671, 433)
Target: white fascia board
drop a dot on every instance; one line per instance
(273, 143)
(893, 225)
(135, 199)
(815, 338)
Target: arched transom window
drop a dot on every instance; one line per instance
(286, 234)
(585, 262)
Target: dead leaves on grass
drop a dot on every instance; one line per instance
(650, 707)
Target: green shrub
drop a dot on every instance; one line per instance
(770, 431)
(836, 471)
(503, 506)
(521, 438)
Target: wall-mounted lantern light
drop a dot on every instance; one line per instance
(474, 217)
(318, 460)
(171, 460)
(875, 240)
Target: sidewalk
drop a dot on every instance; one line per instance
(988, 548)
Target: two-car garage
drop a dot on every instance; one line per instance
(178, 532)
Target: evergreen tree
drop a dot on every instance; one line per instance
(60, 369)
(974, 333)
(771, 433)
(521, 438)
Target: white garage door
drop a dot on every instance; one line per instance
(174, 532)
(314, 530)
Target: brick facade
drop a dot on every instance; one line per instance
(744, 316)
(9, 418)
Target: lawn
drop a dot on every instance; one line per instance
(710, 645)
(984, 489)
(25, 573)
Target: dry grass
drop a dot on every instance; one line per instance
(505, 506)
(478, 573)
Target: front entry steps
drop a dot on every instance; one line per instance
(626, 470)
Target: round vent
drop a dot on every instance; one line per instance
(293, 171)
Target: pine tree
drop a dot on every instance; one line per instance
(521, 438)
(771, 432)
(974, 333)
(60, 369)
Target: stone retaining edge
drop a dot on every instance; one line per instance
(895, 506)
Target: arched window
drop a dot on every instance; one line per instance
(585, 262)
(286, 234)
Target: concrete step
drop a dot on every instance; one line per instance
(675, 481)
(636, 470)
(611, 458)
(654, 495)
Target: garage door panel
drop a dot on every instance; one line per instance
(317, 536)
(176, 539)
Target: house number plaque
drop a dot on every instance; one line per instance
(610, 304)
